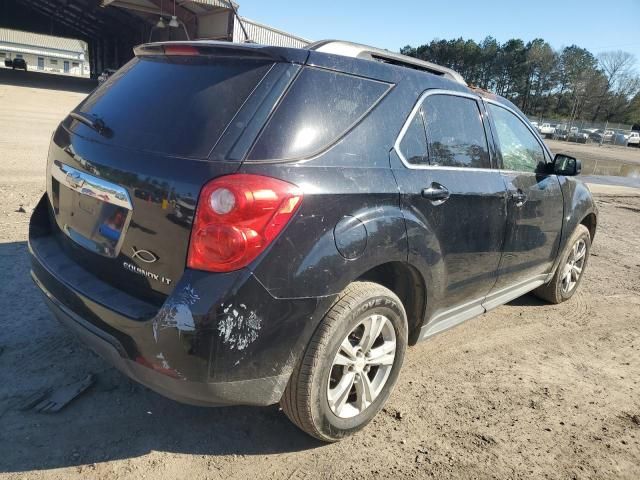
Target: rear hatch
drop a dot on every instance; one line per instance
(126, 167)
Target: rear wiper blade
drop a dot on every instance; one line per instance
(94, 123)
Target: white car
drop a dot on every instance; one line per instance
(547, 130)
(634, 139)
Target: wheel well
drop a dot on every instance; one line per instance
(590, 222)
(407, 283)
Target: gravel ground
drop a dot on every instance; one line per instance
(528, 390)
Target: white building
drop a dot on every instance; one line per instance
(45, 53)
(204, 19)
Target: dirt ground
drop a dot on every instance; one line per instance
(528, 390)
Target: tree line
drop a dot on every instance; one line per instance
(541, 81)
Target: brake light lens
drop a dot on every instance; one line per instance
(180, 50)
(237, 217)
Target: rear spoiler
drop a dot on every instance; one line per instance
(222, 49)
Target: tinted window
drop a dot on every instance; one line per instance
(455, 133)
(414, 142)
(520, 149)
(317, 110)
(174, 105)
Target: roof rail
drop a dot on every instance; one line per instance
(356, 50)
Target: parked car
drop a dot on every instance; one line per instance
(602, 136)
(561, 133)
(579, 136)
(535, 125)
(346, 208)
(105, 75)
(634, 139)
(619, 138)
(8, 62)
(547, 130)
(19, 64)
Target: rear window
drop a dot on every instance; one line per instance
(173, 105)
(319, 108)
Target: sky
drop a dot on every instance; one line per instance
(595, 25)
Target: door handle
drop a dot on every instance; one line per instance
(518, 197)
(436, 193)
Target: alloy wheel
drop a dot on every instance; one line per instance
(361, 366)
(574, 266)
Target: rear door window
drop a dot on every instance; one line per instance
(319, 108)
(455, 132)
(177, 105)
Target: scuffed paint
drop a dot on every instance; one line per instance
(165, 364)
(176, 312)
(238, 326)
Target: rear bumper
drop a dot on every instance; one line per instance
(261, 391)
(218, 339)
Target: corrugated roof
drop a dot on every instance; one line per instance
(266, 35)
(42, 41)
(216, 3)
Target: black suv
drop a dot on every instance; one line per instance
(242, 224)
(16, 63)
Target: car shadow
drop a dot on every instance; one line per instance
(527, 300)
(115, 418)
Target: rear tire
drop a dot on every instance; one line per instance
(337, 388)
(570, 271)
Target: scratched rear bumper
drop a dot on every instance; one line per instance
(218, 339)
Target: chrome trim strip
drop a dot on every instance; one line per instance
(512, 292)
(94, 187)
(450, 319)
(457, 315)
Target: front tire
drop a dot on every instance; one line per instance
(570, 271)
(351, 364)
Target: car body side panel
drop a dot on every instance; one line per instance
(457, 253)
(578, 204)
(306, 260)
(533, 228)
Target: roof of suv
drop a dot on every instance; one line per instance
(335, 47)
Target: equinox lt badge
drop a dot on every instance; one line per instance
(146, 273)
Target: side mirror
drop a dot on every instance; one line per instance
(566, 165)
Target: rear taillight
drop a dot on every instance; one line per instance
(237, 217)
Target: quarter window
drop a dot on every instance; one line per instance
(520, 149)
(319, 108)
(414, 142)
(455, 132)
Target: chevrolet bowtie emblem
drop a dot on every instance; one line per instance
(74, 180)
